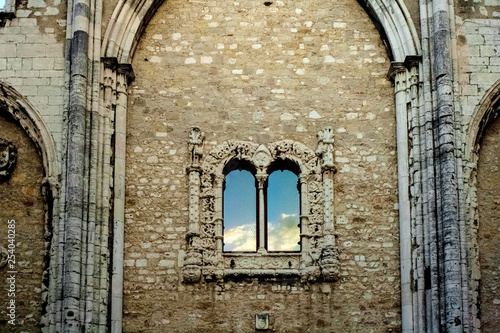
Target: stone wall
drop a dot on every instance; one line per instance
(477, 27)
(488, 236)
(21, 200)
(33, 61)
(478, 55)
(261, 72)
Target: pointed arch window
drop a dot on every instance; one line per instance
(239, 212)
(261, 215)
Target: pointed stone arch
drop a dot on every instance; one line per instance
(26, 116)
(18, 110)
(484, 117)
(130, 18)
(396, 28)
(486, 112)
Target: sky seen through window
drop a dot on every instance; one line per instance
(240, 212)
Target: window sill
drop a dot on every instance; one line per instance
(256, 273)
(257, 261)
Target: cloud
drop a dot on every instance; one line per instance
(284, 235)
(240, 238)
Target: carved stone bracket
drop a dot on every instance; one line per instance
(318, 259)
(8, 159)
(4, 255)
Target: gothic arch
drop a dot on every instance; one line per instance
(120, 41)
(25, 115)
(130, 18)
(28, 119)
(483, 118)
(485, 114)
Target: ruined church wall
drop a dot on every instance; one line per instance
(477, 29)
(21, 201)
(488, 231)
(261, 72)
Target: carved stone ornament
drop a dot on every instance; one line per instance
(325, 148)
(205, 259)
(8, 159)
(4, 255)
(196, 137)
(329, 264)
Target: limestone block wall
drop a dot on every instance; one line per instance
(21, 200)
(477, 27)
(32, 58)
(261, 72)
(488, 236)
(478, 52)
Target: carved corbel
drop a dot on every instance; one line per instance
(8, 159)
(329, 263)
(193, 261)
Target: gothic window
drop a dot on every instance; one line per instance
(280, 195)
(250, 225)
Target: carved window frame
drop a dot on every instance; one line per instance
(205, 258)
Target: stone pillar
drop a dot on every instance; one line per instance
(116, 93)
(193, 259)
(329, 261)
(398, 74)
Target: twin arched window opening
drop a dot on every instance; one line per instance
(261, 212)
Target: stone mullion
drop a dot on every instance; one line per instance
(261, 223)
